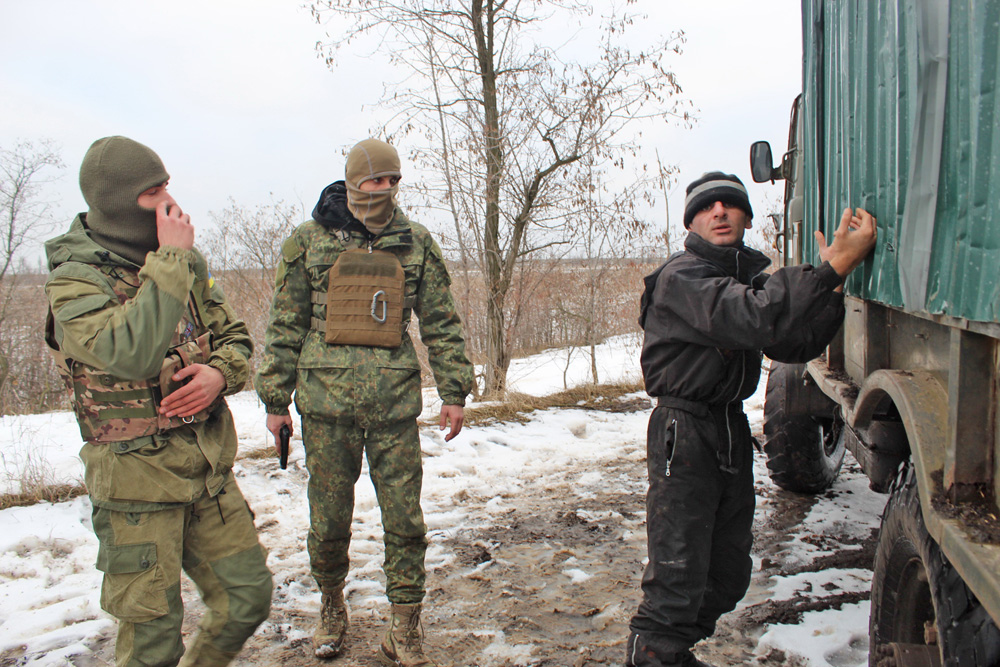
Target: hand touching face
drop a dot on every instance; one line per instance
(173, 226)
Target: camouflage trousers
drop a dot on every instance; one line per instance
(333, 457)
(142, 554)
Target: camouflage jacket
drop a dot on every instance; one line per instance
(367, 386)
(124, 341)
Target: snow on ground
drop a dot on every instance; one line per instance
(49, 588)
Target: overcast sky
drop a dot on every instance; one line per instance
(232, 96)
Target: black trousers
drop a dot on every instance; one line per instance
(699, 518)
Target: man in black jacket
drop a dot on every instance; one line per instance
(708, 313)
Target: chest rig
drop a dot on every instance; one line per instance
(365, 300)
(113, 409)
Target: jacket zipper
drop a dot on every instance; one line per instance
(673, 447)
(739, 388)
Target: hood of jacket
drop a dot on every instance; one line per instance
(76, 245)
(331, 211)
(739, 261)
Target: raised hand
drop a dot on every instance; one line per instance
(852, 241)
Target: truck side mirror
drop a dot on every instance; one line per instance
(762, 163)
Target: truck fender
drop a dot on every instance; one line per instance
(922, 403)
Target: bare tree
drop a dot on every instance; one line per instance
(243, 253)
(24, 218)
(504, 115)
(606, 228)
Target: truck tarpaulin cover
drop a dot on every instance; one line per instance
(902, 117)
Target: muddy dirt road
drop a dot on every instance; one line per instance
(552, 579)
(554, 582)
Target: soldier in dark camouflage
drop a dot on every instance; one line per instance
(346, 286)
(148, 347)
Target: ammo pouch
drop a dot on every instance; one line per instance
(364, 299)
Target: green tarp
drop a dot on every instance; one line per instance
(901, 117)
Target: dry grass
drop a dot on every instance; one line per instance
(257, 454)
(518, 407)
(51, 493)
(33, 476)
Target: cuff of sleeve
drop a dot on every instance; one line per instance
(453, 399)
(232, 383)
(276, 410)
(172, 269)
(828, 276)
(182, 254)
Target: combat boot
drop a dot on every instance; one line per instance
(402, 644)
(332, 627)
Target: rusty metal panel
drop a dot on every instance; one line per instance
(902, 117)
(968, 463)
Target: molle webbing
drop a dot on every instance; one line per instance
(320, 299)
(364, 300)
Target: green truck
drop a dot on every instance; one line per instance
(900, 115)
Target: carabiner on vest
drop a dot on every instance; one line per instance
(385, 306)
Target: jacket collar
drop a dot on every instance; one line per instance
(76, 245)
(741, 261)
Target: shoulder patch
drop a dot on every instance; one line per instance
(292, 249)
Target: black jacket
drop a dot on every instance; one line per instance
(710, 311)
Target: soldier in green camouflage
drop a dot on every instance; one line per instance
(346, 286)
(148, 347)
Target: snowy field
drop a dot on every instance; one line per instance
(49, 588)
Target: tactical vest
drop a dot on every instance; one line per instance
(365, 300)
(113, 409)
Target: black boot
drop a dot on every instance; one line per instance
(642, 652)
(637, 654)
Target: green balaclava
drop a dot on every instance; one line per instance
(115, 171)
(369, 159)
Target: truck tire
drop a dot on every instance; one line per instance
(802, 432)
(914, 585)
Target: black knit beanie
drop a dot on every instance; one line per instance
(715, 186)
(115, 171)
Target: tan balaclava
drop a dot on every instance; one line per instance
(115, 171)
(370, 159)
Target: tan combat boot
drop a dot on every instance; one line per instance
(401, 646)
(332, 627)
